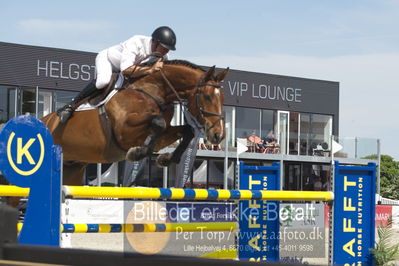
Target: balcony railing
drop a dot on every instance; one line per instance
(344, 147)
(357, 148)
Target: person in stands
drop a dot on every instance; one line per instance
(270, 144)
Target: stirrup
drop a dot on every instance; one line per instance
(65, 113)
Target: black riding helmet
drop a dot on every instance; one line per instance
(165, 36)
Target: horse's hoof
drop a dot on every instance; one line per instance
(135, 154)
(163, 160)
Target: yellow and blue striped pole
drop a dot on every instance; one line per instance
(145, 228)
(179, 193)
(195, 194)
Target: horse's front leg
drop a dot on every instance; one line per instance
(158, 125)
(187, 132)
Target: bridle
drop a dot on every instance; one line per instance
(205, 113)
(202, 112)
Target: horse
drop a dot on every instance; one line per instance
(137, 119)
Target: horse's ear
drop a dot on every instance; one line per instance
(209, 75)
(219, 77)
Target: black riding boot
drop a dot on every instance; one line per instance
(67, 110)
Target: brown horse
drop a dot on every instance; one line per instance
(138, 119)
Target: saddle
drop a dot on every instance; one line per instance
(100, 95)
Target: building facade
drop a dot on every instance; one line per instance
(302, 114)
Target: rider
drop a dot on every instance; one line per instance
(125, 57)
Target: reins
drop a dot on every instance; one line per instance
(203, 113)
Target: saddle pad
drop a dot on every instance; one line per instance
(88, 106)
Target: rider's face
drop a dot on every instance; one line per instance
(156, 47)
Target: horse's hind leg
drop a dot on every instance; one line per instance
(158, 125)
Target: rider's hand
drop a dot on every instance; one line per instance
(157, 66)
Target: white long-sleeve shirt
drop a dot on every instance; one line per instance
(127, 53)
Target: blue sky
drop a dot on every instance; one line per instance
(353, 42)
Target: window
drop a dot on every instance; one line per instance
(306, 177)
(216, 176)
(267, 123)
(62, 97)
(315, 130)
(7, 103)
(229, 119)
(304, 139)
(247, 122)
(200, 174)
(45, 104)
(293, 145)
(321, 128)
(28, 101)
(210, 174)
(156, 174)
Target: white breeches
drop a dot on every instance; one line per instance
(103, 69)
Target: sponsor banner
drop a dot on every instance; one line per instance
(395, 216)
(381, 217)
(306, 215)
(382, 214)
(259, 219)
(113, 211)
(185, 167)
(354, 204)
(326, 215)
(92, 211)
(133, 171)
(180, 241)
(302, 232)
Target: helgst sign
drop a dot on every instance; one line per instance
(61, 70)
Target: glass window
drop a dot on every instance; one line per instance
(45, 105)
(171, 175)
(267, 123)
(156, 174)
(62, 98)
(216, 176)
(293, 145)
(307, 177)
(283, 130)
(7, 103)
(247, 122)
(304, 134)
(321, 130)
(200, 174)
(315, 130)
(209, 174)
(28, 101)
(292, 177)
(229, 119)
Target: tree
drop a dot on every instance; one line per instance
(389, 183)
(386, 249)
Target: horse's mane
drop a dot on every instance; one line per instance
(176, 62)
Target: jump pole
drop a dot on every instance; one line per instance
(178, 193)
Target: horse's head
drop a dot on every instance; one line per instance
(207, 103)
